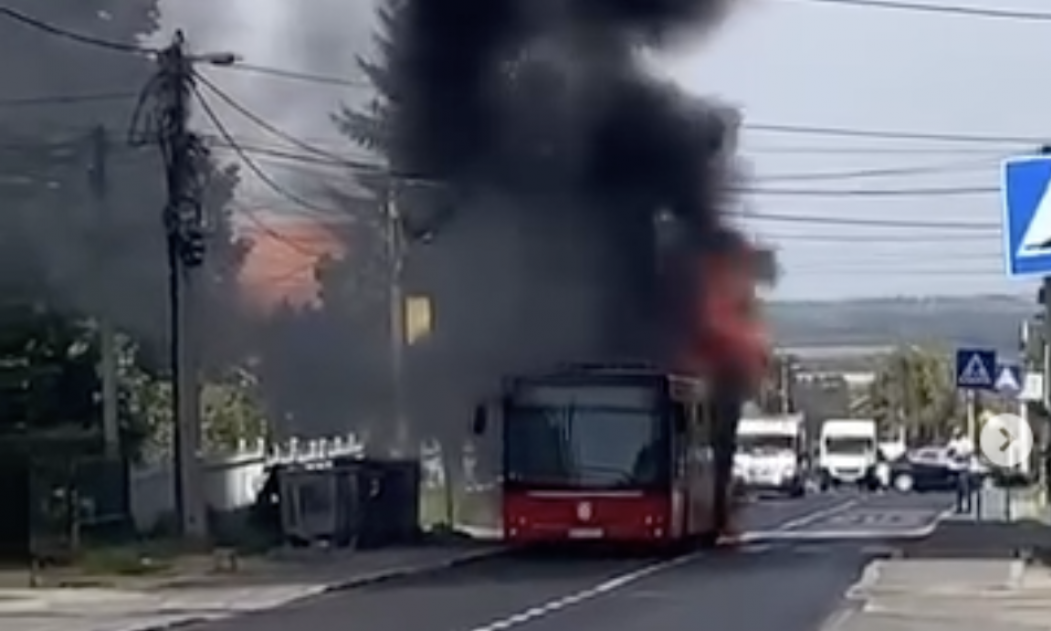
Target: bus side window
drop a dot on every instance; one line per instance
(680, 418)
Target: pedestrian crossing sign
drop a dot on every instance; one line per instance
(976, 369)
(1026, 196)
(1009, 379)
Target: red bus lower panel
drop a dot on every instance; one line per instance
(554, 516)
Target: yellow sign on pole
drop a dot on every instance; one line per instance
(419, 318)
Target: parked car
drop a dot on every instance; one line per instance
(924, 470)
(932, 469)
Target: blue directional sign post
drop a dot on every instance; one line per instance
(1027, 215)
(976, 369)
(1009, 379)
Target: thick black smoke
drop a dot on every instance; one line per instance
(550, 103)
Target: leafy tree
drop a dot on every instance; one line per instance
(231, 412)
(914, 388)
(49, 384)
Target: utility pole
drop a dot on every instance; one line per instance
(1045, 302)
(183, 222)
(98, 179)
(395, 242)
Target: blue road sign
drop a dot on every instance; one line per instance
(1027, 215)
(1009, 378)
(975, 369)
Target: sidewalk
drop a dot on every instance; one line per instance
(998, 527)
(977, 572)
(260, 585)
(999, 504)
(947, 595)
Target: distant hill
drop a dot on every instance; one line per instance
(982, 321)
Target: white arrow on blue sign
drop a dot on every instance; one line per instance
(975, 369)
(1027, 215)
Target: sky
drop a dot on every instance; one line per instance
(792, 64)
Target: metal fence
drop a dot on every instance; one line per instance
(73, 500)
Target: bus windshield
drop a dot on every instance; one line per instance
(593, 447)
(852, 445)
(754, 443)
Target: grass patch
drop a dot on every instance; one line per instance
(140, 559)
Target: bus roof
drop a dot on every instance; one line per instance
(617, 372)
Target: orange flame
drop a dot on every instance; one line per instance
(726, 333)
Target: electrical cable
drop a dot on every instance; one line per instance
(66, 99)
(874, 223)
(867, 151)
(952, 191)
(297, 75)
(888, 134)
(931, 169)
(51, 29)
(882, 240)
(255, 168)
(305, 146)
(939, 9)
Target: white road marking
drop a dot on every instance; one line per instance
(856, 533)
(613, 584)
(623, 580)
(818, 515)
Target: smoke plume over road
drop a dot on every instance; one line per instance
(550, 102)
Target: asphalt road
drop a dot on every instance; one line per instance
(789, 583)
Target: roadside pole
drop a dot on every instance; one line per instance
(1045, 299)
(396, 303)
(98, 177)
(973, 437)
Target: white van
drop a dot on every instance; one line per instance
(847, 452)
(769, 451)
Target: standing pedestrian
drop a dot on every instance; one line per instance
(961, 468)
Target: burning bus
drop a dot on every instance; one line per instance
(621, 453)
(634, 453)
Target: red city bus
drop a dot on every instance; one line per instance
(622, 454)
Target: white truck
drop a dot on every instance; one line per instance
(847, 453)
(770, 454)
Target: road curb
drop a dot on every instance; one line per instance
(421, 569)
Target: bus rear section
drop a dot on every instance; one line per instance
(595, 457)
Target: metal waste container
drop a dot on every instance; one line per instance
(387, 503)
(318, 505)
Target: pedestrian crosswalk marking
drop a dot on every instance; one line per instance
(974, 373)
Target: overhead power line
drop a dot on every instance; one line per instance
(874, 150)
(297, 75)
(259, 172)
(874, 192)
(938, 9)
(889, 134)
(924, 169)
(872, 223)
(903, 239)
(67, 99)
(64, 33)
